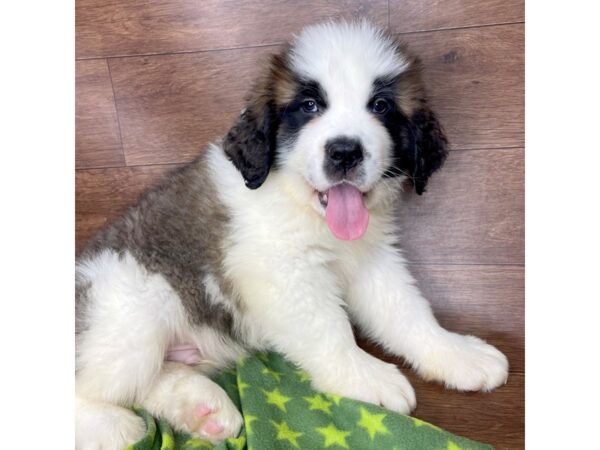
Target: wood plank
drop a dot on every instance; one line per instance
(171, 106)
(418, 15)
(142, 27)
(97, 139)
(484, 301)
(496, 418)
(102, 194)
(471, 213)
(475, 78)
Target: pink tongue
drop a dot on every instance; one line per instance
(346, 214)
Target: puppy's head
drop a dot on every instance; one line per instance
(338, 112)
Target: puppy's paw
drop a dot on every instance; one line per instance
(465, 363)
(372, 381)
(102, 426)
(200, 407)
(391, 388)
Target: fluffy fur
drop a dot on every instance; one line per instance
(233, 253)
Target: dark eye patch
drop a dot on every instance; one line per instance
(398, 125)
(308, 89)
(383, 91)
(296, 114)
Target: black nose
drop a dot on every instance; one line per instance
(344, 153)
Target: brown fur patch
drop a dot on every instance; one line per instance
(285, 84)
(410, 90)
(276, 83)
(176, 229)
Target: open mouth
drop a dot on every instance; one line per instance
(323, 197)
(345, 211)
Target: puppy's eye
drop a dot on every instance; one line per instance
(380, 106)
(309, 106)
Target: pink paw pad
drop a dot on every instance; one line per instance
(211, 427)
(203, 410)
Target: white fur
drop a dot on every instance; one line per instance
(298, 285)
(398, 317)
(181, 390)
(345, 59)
(295, 279)
(134, 316)
(105, 426)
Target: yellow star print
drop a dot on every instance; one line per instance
(273, 373)
(336, 398)
(453, 446)
(167, 442)
(248, 419)
(302, 375)
(318, 403)
(276, 398)
(334, 436)
(263, 357)
(284, 433)
(421, 423)
(241, 387)
(238, 442)
(372, 423)
(198, 443)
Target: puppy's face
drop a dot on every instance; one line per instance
(337, 113)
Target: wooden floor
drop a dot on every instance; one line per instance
(157, 80)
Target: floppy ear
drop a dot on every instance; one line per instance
(250, 144)
(422, 145)
(429, 146)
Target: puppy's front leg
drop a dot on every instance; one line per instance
(384, 301)
(298, 312)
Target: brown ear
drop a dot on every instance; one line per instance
(250, 144)
(425, 146)
(430, 146)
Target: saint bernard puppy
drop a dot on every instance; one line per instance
(279, 236)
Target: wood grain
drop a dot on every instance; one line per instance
(102, 194)
(417, 15)
(97, 139)
(485, 301)
(471, 213)
(496, 418)
(464, 236)
(172, 106)
(142, 27)
(475, 78)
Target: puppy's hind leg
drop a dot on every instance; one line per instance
(100, 425)
(127, 318)
(193, 403)
(105, 387)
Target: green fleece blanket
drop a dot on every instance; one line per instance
(282, 411)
